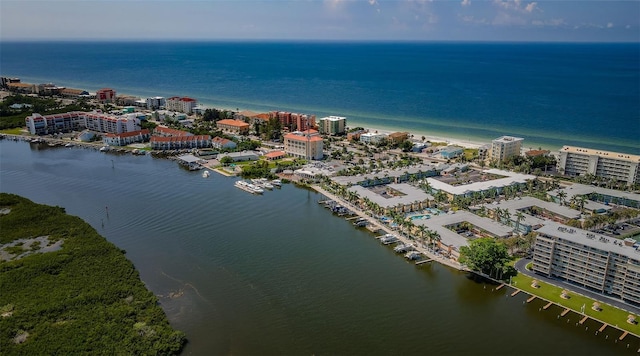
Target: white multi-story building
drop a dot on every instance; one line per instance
(575, 161)
(372, 138)
(307, 144)
(589, 260)
(78, 120)
(332, 125)
(155, 102)
(183, 104)
(504, 147)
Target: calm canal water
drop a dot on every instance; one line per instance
(278, 274)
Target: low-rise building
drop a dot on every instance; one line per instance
(126, 138)
(164, 131)
(233, 127)
(180, 142)
(372, 137)
(398, 137)
(450, 152)
(222, 143)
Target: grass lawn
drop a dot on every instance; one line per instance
(13, 131)
(608, 314)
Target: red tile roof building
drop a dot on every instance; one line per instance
(236, 127)
(180, 142)
(273, 155)
(168, 132)
(221, 142)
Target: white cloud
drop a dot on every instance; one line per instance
(530, 6)
(516, 5)
(609, 25)
(465, 2)
(373, 2)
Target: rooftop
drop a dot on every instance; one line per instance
(601, 153)
(590, 239)
(509, 179)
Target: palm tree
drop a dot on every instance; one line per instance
(562, 195)
(434, 237)
(507, 216)
(581, 201)
(519, 218)
(497, 214)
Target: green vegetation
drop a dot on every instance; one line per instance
(12, 131)
(11, 118)
(259, 169)
(607, 313)
(82, 299)
(488, 256)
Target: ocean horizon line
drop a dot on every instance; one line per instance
(306, 41)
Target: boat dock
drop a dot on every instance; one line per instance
(531, 299)
(426, 260)
(516, 292)
(564, 312)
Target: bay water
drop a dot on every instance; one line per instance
(279, 274)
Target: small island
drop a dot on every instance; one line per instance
(67, 290)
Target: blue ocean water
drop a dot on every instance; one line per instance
(551, 94)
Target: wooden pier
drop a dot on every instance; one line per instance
(500, 286)
(602, 327)
(547, 306)
(427, 260)
(516, 292)
(564, 312)
(623, 335)
(531, 299)
(583, 320)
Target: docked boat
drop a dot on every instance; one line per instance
(276, 182)
(205, 174)
(104, 148)
(401, 248)
(69, 145)
(413, 255)
(248, 187)
(388, 239)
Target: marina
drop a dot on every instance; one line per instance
(248, 187)
(217, 265)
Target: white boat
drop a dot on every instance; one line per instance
(402, 248)
(205, 174)
(388, 239)
(413, 255)
(248, 187)
(69, 145)
(104, 148)
(267, 185)
(276, 182)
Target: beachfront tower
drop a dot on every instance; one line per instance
(502, 148)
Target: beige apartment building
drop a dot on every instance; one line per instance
(592, 261)
(308, 144)
(576, 161)
(504, 147)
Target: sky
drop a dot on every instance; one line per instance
(332, 20)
